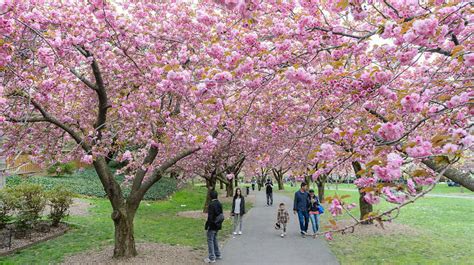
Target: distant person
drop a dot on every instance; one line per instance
(214, 221)
(301, 206)
(269, 191)
(254, 182)
(282, 219)
(314, 211)
(238, 210)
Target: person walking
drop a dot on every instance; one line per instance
(254, 182)
(214, 221)
(238, 210)
(314, 211)
(301, 207)
(269, 191)
(282, 218)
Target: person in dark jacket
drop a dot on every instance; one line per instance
(238, 210)
(314, 211)
(301, 206)
(269, 191)
(212, 226)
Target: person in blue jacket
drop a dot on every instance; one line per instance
(301, 207)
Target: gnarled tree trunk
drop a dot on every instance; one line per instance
(320, 182)
(124, 239)
(365, 207)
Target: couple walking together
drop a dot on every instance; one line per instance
(308, 207)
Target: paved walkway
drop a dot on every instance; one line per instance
(261, 243)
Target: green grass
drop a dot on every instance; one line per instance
(156, 221)
(87, 183)
(441, 188)
(442, 234)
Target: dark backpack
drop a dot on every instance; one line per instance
(219, 219)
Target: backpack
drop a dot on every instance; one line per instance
(219, 219)
(320, 209)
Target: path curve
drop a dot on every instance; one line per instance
(261, 243)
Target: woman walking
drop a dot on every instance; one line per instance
(314, 211)
(238, 210)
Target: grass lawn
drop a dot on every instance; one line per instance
(440, 188)
(441, 232)
(156, 221)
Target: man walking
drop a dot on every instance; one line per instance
(269, 191)
(213, 225)
(301, 206)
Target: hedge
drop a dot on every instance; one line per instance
(87, 183)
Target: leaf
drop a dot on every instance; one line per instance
(379, 220)
(367, 189)
(439, 140)
(375, 161)
(419, 173)
(332, 222)
(342, 4)
(376, 127)
(457, 49)
(345, 196)
(211, 101)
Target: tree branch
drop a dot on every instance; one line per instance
(84, 80)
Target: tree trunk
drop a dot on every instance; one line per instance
(307, 180)
(280, 183)
(210, 184)
(365, 208)
(124, 239)
(229, 189)
(236, 179)
(320, 190)
(221, 185)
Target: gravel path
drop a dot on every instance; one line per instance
(261, 243)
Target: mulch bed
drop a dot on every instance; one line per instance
(148, 253)
(34, 237)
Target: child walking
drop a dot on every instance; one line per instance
(238, 210)
(282, 218)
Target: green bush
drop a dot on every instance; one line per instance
(7, 204)
(86, 182)
(29, 202)
(60, 199)
(61, 169)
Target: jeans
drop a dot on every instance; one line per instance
(269, 198)
(212, 244)
(237, 222)
(303, 217)
(314, 222)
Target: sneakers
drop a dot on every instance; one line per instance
(208, 260)
(240, 232)
(219, 258)
(303, 234)
(235, 233)
(282, 235)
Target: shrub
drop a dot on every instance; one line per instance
(60, 199)
(7, 204)
(29, 201)
(61, 169)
